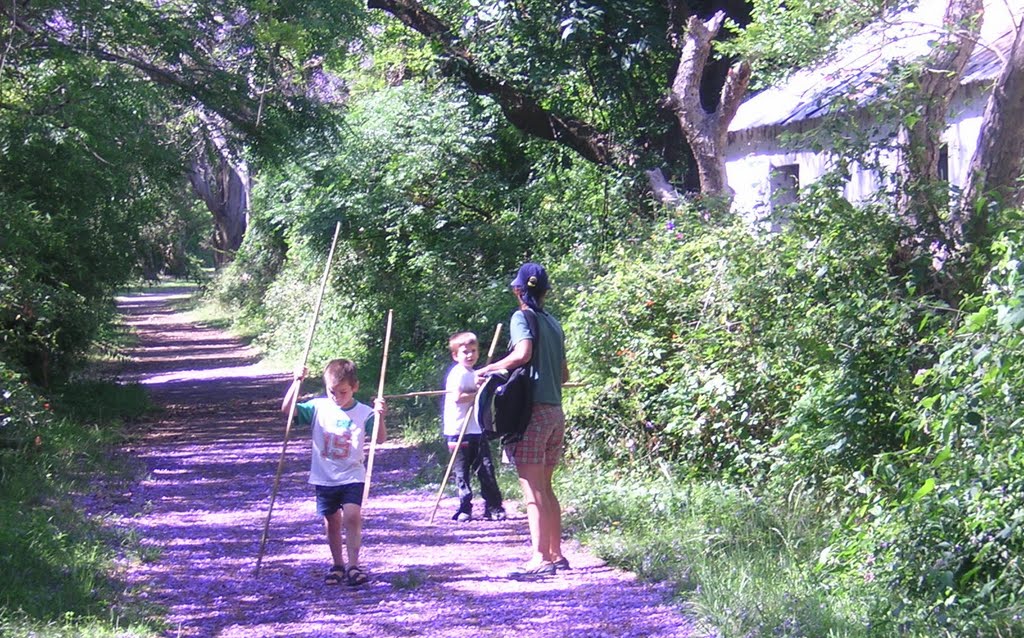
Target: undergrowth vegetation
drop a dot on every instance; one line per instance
(783, 409)
(59, 564)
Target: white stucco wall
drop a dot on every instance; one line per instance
(752, 156)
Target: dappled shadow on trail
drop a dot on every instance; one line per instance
(211, 452)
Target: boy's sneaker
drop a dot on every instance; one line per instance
(462, 517)
(495, 515)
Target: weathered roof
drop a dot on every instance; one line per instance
(861, 63)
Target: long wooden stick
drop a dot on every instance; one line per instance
(377, 417)
(462, 432)
(437, 393)
(291, 411)
(409, 395)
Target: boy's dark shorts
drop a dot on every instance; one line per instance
(330, 498)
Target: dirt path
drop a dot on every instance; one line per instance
(209, 460)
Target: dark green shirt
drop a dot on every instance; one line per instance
(548, 361)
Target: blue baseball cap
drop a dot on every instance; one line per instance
(531, 277)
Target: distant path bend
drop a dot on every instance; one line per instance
(209, 456)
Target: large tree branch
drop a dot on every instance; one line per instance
(221, 180)
(696, 47)
(521, 109)
(240, 114)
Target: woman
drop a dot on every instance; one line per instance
(537, 454)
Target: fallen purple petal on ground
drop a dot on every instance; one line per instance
(209, 457)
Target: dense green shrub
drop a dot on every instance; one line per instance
(732, 351)
(798, 365)
(939, 524)
(23, 413)
(44, 321)
(71, 228)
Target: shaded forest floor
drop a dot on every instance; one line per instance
(207, 458)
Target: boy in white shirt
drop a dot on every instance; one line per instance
(340, 428)
(474, 455)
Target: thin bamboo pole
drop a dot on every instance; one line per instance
(377, 417)
(462, 431)
(437, 393)
(409, 395)
(291, 411)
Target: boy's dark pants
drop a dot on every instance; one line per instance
(475, 457)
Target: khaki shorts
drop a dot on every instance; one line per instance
(544, 439)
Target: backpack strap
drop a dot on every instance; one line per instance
(531, 320)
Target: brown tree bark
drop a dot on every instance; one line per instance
(998, 163)
(221, 180)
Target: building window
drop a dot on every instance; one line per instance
(944, 162)
(785, 182)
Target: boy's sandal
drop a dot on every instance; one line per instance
(356, 576)
(336, 576)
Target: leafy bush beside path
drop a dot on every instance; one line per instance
(59, 565)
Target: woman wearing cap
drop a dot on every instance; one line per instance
(537, 454)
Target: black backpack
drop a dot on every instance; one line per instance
(504, 404)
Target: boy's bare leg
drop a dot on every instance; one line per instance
(353, 515)
(332, 524)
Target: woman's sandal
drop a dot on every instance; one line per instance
(526, 572)
(356, 576)
(336, 576)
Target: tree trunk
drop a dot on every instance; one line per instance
(923, 198)
(223, 185)
(706, 131)
(998, 162)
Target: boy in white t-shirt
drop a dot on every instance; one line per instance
(474, 455)
(340, 428)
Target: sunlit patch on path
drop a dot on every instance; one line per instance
(210, 454)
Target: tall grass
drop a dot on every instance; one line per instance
(59, 563)
(744, 564)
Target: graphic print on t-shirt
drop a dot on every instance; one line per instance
(337, 440)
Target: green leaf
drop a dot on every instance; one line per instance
(941, 457)
(982, 355)
(824, 556)
(1012, 319)
(925, 490)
